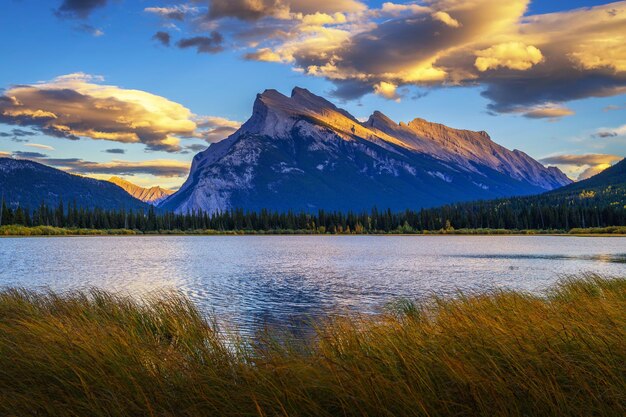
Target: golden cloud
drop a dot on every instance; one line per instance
(446, 18)
(74, 106)
(280, 9)
(547, 111)
(591, 171)
(513, 55)
(524, 61)
(387, 90)
(582, 166)
(214, 129)
(40, 146)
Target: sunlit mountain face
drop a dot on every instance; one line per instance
(152, 195)
(303, 153)
(546, 78)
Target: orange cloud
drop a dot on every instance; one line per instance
(524, 61)
(75, 105)
(582, 166)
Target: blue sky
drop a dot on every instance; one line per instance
(114, 41)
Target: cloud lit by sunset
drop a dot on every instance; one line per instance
(536, 74)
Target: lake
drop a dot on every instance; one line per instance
(253, 281)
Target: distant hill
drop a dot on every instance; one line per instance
(612, 176)
(27, 184)
(303, 153)
(152, 195)
(598, 201)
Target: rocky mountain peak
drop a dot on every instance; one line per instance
(152, 195)
(275, 114)
(302, 151)
(378, 120)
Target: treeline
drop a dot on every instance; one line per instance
(534, 213)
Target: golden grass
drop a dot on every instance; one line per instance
(500, 354)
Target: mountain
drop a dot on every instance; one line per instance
(599, 201)
(28, 184)
(304, 153)
(614, 176)
(152, 195)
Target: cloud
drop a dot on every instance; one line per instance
(178, 12)
(522, 61)
(75, 106)
(591, 171)
(21, 132)
(257, 9)
(605, 134)
(213, 129)
(162, 37)
(264, 54)
(446, 18)
(4, 154)
(156, 167)
(512, 55)
(396, 10)
(29, 155)
(610, 132)
(117, 151)
(17, 135)
(92, 30)
(205, 44)
(40, 146)
(580, 160)
(547, 111)
(583, 166)
(387, 90)
(79, 8)
(613, 107)
(196, 147)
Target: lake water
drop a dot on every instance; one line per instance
(252, 281)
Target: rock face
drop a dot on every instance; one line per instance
(28, 184)
(152, 195)
(304, 153)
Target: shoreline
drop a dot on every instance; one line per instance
(50, 231)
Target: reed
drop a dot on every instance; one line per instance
(499, 354)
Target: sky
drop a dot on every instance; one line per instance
(136, 88)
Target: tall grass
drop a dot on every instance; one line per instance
(499, 354)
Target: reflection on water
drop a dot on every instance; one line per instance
(250, 281)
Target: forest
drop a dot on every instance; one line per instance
(589, 208)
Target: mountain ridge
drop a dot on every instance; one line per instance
(27, 184)
(613, 175)
(151, 195)
(303, 152)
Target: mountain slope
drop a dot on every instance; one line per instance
(152, 195)
(599, 201)
(612, 176)
(28, 184)
(304, 153)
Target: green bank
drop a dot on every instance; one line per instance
(19, 230)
